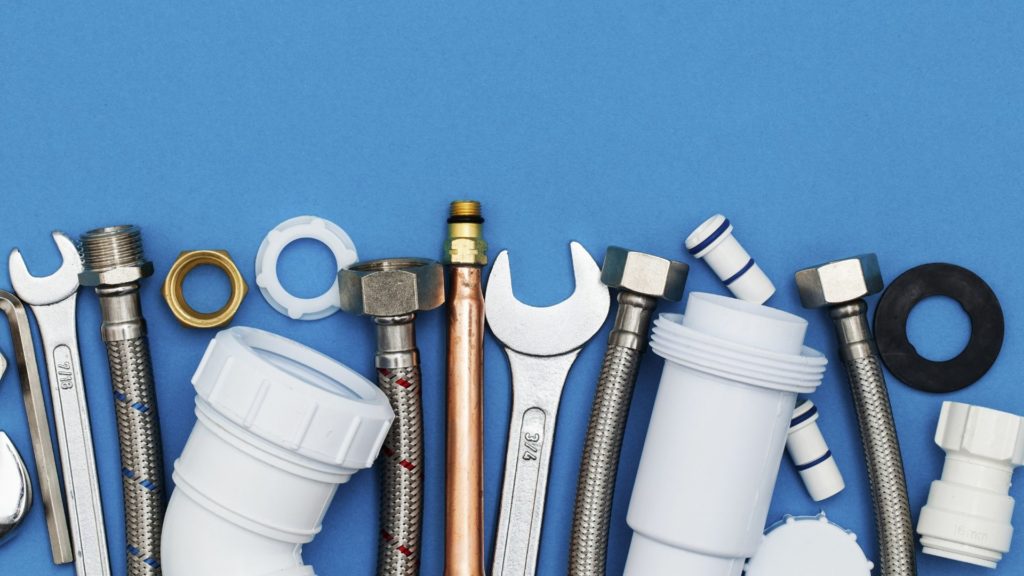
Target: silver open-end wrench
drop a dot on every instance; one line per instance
(541, 344)
(53, 301)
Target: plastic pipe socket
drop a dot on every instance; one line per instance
(280, 426)
(969, 510)
(728, 389)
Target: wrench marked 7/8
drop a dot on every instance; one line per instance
(53, 301)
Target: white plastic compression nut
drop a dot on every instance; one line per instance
(714, 242)
(811, 456)
(302, 228)
(732, 372)
(809, 546)
(969, 510)
(280, 426)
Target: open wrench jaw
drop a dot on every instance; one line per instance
(45, 290)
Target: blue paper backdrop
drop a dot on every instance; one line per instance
(821, 130)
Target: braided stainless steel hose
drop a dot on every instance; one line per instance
(392, 291)
(114, 265)
(841, 286)
(401, 507)
(642, 280)
(881, 445)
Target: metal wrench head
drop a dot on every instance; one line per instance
(41, 291)
(553, 330)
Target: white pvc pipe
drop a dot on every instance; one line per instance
(279, 427)
(717, 435)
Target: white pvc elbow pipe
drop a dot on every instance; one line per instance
(279, 427)
(732, 372)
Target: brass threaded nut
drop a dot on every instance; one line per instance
(465, 245)
(173, 288)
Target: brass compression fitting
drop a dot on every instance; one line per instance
(465, 253)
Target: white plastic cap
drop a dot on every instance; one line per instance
(969, 510)
(713, 242)
(811, 455)
(294, 397)
(302, 228)
(809, 546)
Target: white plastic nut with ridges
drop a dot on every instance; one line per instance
(714, 242)
(716, 438)
(279, 427)
(969, 510)
(302, 228)
(811, 455)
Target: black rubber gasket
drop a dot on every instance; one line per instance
(976, 298)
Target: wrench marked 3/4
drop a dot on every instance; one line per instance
(541, 345)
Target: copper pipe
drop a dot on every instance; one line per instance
(466, 252)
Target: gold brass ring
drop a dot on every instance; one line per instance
(175, 296)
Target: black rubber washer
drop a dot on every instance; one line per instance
(976, 298)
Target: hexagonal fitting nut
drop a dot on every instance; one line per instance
(391, 287)
(839, 282)
(981, 432)
(644, 273)
(117, 275)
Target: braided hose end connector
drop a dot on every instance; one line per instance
(642, 279)
(392, 291)
(114, 265)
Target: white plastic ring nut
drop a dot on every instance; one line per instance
(713, 242)
(809, 546)
(302, 228)
(969, 510)
(811, 456)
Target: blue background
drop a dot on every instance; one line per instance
(820, 130)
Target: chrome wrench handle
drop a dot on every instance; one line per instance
(74, 435)
(537, 390)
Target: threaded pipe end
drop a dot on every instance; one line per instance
(464, 208)
(112, 247)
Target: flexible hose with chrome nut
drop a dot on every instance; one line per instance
(114, 265)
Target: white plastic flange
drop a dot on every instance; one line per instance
(969, 511)
(714, 242)
(302, 228)
(280, 426)
(811, 456)
(717, 435)
(809, 546)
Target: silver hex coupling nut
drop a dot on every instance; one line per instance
(644, 273)
(391, 287)
(839, 282)
(113, 256)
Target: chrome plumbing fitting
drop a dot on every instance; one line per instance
(115, 265)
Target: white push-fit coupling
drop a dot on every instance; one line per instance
(732, 373)
(811, 455)
(714, 242)
(302, 228)
(969, 511)
(279, 427)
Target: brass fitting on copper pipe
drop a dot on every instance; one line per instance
(466, 254)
